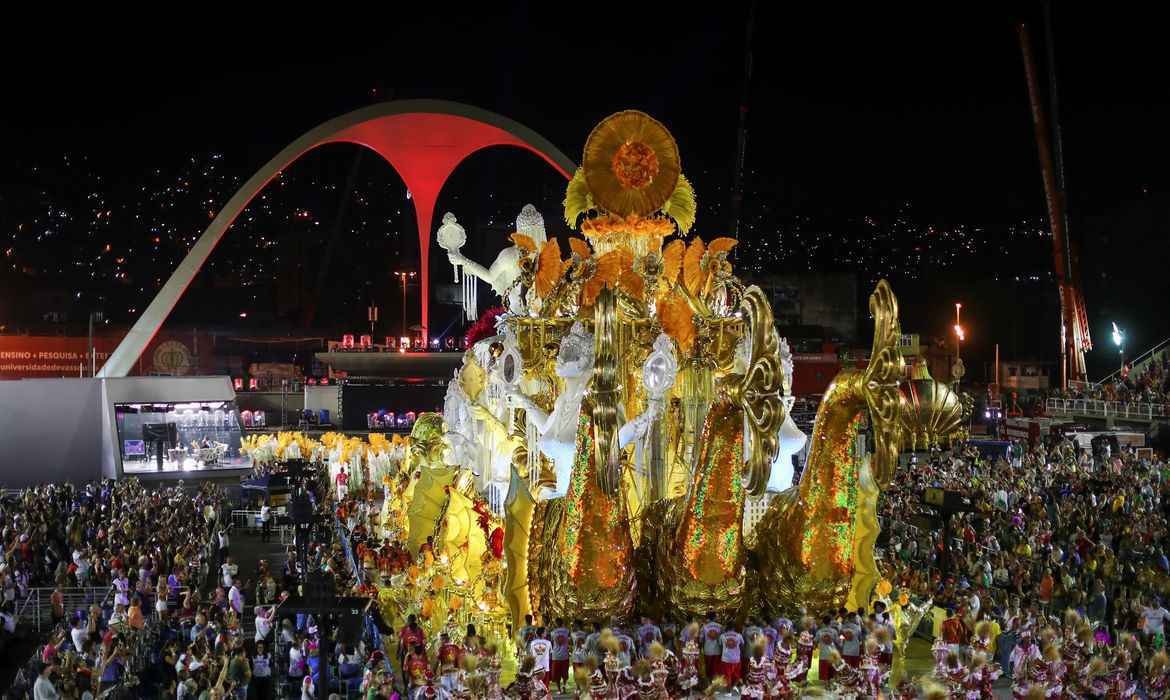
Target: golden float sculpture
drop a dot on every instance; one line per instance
(634, 397)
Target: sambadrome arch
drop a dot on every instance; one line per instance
(423, 140)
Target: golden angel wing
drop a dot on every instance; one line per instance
(524, 242)
(678, 321)
(681, 205)
(578, 199)
(632, 284)
(721, 245)
(693, 277)
(548, 267)
(672, 260)
(579, 247)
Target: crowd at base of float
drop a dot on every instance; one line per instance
(1077, 616)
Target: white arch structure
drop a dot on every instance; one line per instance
(423, 140)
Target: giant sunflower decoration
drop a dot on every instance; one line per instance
(632, 177)
(631, 164)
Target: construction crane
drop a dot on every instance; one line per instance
(1074, 324)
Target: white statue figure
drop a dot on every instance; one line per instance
(558, 430)
(506, 268)
(792, 439)
(459, 438)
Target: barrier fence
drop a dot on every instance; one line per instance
(250, 520)
(1106, 409)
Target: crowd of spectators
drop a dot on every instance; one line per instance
(1049, 529)
(1150, 383)
(120, 564)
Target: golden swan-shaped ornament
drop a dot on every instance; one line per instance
(814, 546)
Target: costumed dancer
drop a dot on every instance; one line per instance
(540, 687)
(430, 690)
(846, 683)
(581, 682)
(1095, 679)
(980, 677)
(644, 681)
(1055, 669)
(1158, 677)
(1024, 653)
(1119, 678)
(952, 674)
(449, 655)
(759, 671)
(804, 647)
(521, 688)
(491, 674)
(906, 690)
(981, 644)
(781, 685)
(873, 675)
(939, 651)
(598, 686)
(663, 667)
(688, 674)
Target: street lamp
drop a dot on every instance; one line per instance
(957, 370)
(1119, 341)
(404, 275)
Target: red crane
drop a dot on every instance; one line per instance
(1074, 324)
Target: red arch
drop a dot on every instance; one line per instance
(425, 149)
(423, 140)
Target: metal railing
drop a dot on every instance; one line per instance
(250, 520)
(36, 610)
(1106, 409)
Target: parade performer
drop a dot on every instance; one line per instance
(804, 647)
(688, 675)
(598, 685)
(759, 670)
(846, 680)
(873, 675)
(1158, 677)
(448, 662)
(664, 668)
(951, 673)
(1054, 669)
(980, 677)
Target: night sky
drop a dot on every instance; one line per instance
(851, 114)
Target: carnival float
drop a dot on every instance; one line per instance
(635, 396)
(599, 447)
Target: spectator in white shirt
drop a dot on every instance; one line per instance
(79, 634)
(229, 569)
(43, 687)
(236, 599)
